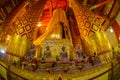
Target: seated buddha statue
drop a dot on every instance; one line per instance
(79, 53)
(47, 53)
(32, 51)
(64, 54)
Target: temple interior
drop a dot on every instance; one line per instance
(59, 39)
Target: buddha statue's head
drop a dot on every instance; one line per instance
(32, 46)
(47, 47)
(63, 48)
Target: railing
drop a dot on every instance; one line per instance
(10, 72)
(111, 71)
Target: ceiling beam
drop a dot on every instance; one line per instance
(100, 4)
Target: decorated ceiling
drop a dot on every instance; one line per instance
(30, 18)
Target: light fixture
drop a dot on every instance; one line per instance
(2, 51)
(8, 37)
(53, 35)
(39, 24)
(111, 30)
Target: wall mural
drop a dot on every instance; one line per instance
(89, 21)
(25, 21)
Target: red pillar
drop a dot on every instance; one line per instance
(116, 28)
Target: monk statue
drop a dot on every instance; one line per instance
(79, 53)
(64, 54)
(47, 53)
(32, 51)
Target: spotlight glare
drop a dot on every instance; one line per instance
(39, 24)
(2, 51)
(111, 30)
